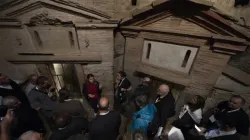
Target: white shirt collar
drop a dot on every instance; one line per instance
(68, 100)
(6, 86)
(104, 113)
(233, 110)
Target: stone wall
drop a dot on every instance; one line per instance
(12, 41)
(102, 42)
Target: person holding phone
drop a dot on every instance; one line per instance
(190, 116)
(226, 131)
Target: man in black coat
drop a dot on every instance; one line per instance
(165, 104)
(233, 108)
(10, 88)
(25, 120)
(68, 126)
(105, 126)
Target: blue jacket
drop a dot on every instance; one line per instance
(143, 117)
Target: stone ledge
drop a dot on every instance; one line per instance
(141, 10)
(158, 2)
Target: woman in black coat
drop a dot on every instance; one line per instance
(123, 85)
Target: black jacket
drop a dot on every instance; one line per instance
(76, 126)
(241, 118)
(105, 127)
(121, 95)
(165, 108)
(17, 92)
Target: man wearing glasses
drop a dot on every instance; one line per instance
(232, 108)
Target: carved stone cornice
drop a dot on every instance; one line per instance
(25, 6)
(9, 23)
(11, 4)
(44, 19)
(79, 6)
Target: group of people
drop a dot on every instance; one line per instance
(25, 106)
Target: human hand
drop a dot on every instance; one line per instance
(202, 129)
(123, 89)
(7, 120)
(91, 96)
(38, 108)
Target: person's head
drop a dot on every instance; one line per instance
(103, 104)
(11, 102)
(30, 135)
(42, 82)
(62, 120)
(163, 90)
(4, 80)
(236, 102)
(120, 75)
(139, 135)
(196, 102)
(141, 101)
(90, 78)
(227, 123)
(146, 81)
(33, 78)
(63, 94)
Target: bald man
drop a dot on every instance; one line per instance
(68, 126)
(30, 135)
(105, 126)
(27, 118)
(165, 104)
(12, 102)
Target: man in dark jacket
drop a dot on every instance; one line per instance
(68, 126)
(10, 88)
(39, 99)
(105, 126)
(165, 104)
(24, 119)
(71, 106)
(233, 108)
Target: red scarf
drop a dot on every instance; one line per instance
(92, 89)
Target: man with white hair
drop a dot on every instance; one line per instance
(165, 104)
(30, 135)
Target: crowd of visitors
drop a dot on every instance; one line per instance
(26, 108)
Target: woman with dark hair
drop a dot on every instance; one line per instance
(92, 91)
(122, 86)
(190, 116)
(144, 114)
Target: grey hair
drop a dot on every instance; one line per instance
(28, 135)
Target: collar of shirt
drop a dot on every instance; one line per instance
(6, 86)
(218, 133)
(68, 100)
(159, 98)
(104, 113)
(62, 128)
(233, 110)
